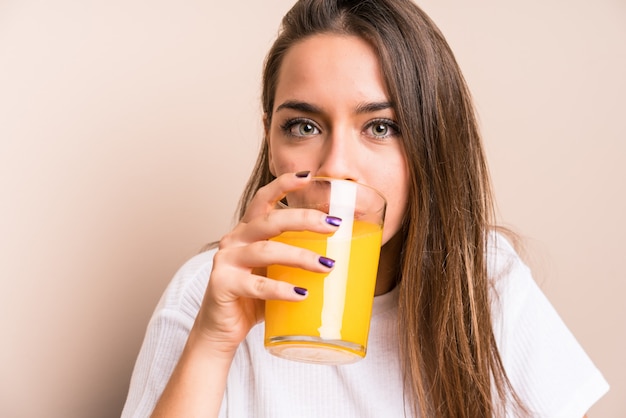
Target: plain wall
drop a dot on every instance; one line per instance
(128, 128)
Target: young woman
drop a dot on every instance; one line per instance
(367, 91)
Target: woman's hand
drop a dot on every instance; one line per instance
(234, 299)
(237, 288)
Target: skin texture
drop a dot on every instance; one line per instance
(332, 116)
(332, 86)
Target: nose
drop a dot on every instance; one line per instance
(339, 157)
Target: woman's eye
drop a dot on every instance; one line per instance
(300, 128)
(306, 129)
(382, 129)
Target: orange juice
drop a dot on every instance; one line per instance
(336, 313)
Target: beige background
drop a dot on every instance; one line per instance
(127, 129)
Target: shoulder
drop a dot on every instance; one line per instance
(186, 289)
(511, 279)
(167, 333)
(543, 360)
(502, 257)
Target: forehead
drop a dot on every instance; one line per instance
(331, 67)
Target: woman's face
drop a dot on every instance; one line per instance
(332, 115)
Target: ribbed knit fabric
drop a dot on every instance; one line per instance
(545, 364)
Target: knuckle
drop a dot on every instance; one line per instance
(268, 217)
(219, 256)
(263, 247)
(220, 260)
(226, 241)
(304, 254)
(263, 194)
(272, 217)
(231, 238)
(260, 285)
(311, 216)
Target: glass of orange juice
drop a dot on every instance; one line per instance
(331, 325)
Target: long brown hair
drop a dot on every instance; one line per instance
(447, 347)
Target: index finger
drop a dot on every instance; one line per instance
(266, 197)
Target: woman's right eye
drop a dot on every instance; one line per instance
(300, 127)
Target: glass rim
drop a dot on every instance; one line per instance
(336, 179)
(320, 179)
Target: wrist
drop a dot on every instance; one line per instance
(196, 387)
(203, 343)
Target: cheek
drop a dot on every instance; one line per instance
(287, 159)
(396, 209)
(393, 220)
(279, 164)
(398, 184)
(280, 159)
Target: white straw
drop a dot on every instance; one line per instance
(342, 203)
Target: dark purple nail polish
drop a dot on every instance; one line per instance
(333, 220)
(300, 290)
(303, 174)
(328, 262)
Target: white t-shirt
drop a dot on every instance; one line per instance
(545, 364)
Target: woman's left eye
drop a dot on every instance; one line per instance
(381, 129)
(300, 127)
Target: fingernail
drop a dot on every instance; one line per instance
(328, 262)
(333, 220)
(303, 174)
(300, 290)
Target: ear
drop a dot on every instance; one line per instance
(266, 138)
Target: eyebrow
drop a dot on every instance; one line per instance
(301, 106)
(373, 107)
(369, 107)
